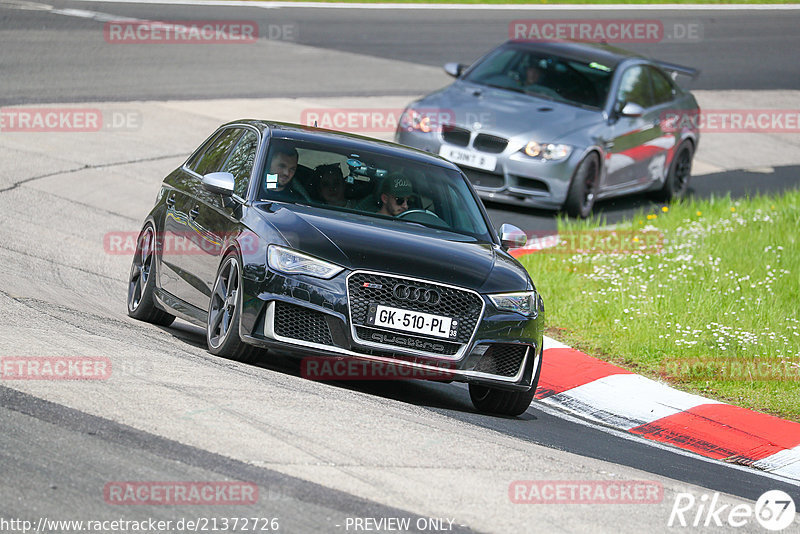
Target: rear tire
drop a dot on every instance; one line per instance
(503, 402)
(141, 281)
(583, 189)
(222, 325)
(677, 182)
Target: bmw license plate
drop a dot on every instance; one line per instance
(412, 321)
(469, 158)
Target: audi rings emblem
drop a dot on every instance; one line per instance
(416, 294)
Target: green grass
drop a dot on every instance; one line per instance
(714, 311)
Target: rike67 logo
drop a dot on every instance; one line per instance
(774, 510)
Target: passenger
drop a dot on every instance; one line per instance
(331, 185)
(278, 181)
(396, 193)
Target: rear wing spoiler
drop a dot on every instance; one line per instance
(674, 70)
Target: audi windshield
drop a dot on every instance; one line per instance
(372, 184)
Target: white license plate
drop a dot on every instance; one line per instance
(469, 158)
(412, 321)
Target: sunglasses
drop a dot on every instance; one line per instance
(401, 200)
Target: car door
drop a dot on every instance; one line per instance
(189, 239)
(663, 147)
(173, 244)
(213, 220)
(631, 151)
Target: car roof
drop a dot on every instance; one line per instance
(608, 55)
(299, 132)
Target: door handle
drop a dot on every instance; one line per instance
(171, 201)
(194, 213)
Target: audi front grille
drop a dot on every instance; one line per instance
(366, 291)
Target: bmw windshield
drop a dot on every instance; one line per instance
(544, 75)
(371, 184)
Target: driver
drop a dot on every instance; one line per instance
(532, 75)
(279, 178)
(396, 193)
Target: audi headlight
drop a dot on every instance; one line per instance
(290, 261)
(548, 151)
(523, 302)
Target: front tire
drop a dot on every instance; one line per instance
(222, 325)
(583, 189)
(141, 281)
(503, 402)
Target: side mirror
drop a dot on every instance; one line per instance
(454, 69)
(220, 183)
(512, 237)
(631, 109)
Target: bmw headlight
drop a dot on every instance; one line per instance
(548, 151)
(523, 302)
(290, 261)
(414, 120)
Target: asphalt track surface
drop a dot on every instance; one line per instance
(319, 452)
(50, 60)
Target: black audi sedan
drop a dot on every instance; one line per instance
(334, 247)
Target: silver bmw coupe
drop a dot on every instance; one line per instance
(559, 125)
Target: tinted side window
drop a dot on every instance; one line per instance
(198, 155)
(212, 159)
(662, 87)
(635, 87)
(240, 162)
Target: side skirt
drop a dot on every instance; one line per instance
(178, 308)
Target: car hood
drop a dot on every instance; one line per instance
(507, 113)
(359, 242)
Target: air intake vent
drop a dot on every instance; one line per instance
(502, 359)
(297, 322)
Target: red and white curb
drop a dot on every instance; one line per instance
(580, 384)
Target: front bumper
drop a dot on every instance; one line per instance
(310, 317)
(517, 179)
